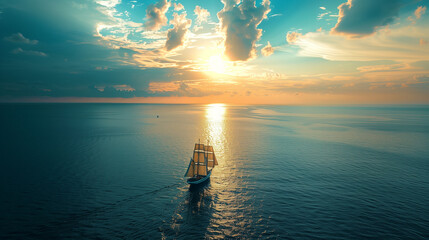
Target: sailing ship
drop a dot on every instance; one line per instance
(201, 165)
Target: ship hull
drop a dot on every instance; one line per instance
(195, 181)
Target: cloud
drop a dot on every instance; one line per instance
(197, 28)
(124, 87)
(108, 3)
(422, 42)
(267, 50)
(177, 35)
(384, 68)
(187, 88)
(323, 13)
(163, 86)
(276, 15)
(178, 7)
(28, 52)
(360, 18)
(191, 90)
(238, 22)
(19, 38)
(420, 11)
(320, 16)
(147, 48)
(399, 44)
(202, 14)
(155, 14)
(292, 37)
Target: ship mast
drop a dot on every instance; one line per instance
(198, 157)
(206, 158)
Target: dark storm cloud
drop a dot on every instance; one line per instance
(360, 18)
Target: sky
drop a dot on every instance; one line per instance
(312, 52)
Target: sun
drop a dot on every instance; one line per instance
(216, 64)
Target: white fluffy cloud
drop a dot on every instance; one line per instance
(178, 7)
(108, 3)
(176, 36)
(155, 14)
(267, 50)
(202, 14)
(239, 20)
(292, 37)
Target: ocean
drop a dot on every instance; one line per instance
(115, 171)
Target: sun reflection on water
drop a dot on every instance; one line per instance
(222, 207)
(215, 112)
(215, 127)
(231, 209)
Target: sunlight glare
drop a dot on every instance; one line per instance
(215, 128)
(215, 112)
(217, 64)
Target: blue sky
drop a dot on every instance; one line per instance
(280, 52)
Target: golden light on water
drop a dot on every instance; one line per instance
(215, 112)
(215, 130)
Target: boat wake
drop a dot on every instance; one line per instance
(74, 219)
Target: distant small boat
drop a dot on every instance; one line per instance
(201, 165)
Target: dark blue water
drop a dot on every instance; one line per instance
(115, 171)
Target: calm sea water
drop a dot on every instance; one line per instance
(115, 171)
